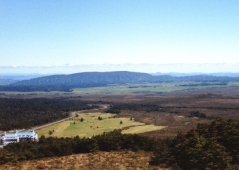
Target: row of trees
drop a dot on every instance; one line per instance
(31, 88)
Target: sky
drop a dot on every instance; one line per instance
(96, 32)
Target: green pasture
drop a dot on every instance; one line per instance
(142, 129)
(148, 88)
(93, 126)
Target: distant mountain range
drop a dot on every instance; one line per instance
(93, 79)
(116, 77)
(88, 79)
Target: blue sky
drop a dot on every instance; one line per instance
(83, 32)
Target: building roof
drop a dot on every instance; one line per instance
(19, 135)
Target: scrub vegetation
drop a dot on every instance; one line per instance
(115, 160)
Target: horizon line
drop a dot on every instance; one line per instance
(72, 65)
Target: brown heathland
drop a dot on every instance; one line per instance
(123, 160)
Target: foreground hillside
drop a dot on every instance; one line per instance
(213, 146)
(121, 160)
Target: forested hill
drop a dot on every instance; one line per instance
(88, 79)
(96, 79)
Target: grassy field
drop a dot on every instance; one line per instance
(148, 88)
(142, 129)
(91, 125)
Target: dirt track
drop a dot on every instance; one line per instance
(52, 123)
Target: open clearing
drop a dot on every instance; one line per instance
(91, 125)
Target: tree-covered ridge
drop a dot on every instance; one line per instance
(87, 79)
(26, 113)
(116, 77)
(209, 146)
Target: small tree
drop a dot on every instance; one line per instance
(121, 122)
(81, 119)
(99, 118)
(50, 132)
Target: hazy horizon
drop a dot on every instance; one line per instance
(145, 68)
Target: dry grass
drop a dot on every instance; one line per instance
(123, 160)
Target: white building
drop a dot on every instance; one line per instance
(18, 136)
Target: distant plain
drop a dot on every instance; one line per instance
(151, 88)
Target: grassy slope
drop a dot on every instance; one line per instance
(92, 126)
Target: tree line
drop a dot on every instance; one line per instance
(118, 107)
(26, 113)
